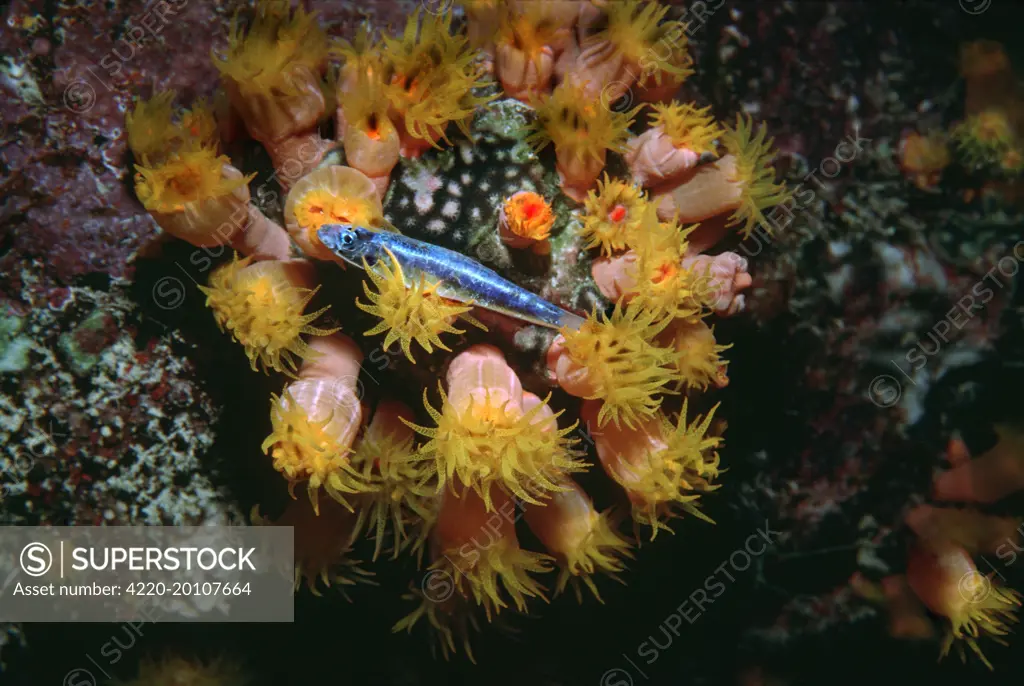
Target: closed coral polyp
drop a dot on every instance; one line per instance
(262, 307)
(525, 218)
(330, 195)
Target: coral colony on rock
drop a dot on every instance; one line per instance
(484, 265)
(486, 448)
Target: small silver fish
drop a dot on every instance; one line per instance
(462, 279)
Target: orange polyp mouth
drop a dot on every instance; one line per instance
(531, 210)
(529, 215)
(617, 214)
(664, 273)
(373, 128)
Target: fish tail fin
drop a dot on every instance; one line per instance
(570, 321)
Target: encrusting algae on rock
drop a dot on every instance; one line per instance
(444, 482)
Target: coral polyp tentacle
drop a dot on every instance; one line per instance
(492, 441)
(754, 173)
(620, 362)
(263, 310)
(410, 309)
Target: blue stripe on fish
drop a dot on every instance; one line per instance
(462, 277)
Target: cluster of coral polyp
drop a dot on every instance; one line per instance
(448, 484)
(988, 141)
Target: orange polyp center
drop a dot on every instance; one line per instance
(373, 127)
(529, 215)
(187, 183)
(664, 272)
(617, 214)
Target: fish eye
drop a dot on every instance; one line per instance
(347, 239)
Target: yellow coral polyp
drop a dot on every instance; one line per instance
(754, 173)
(529, 215)
(305, 449)
(410, 309)
(698, 357)
(278, 42)
(624, 366)
(491, 442)
(322, 543)
(663, 284)
(985, 138)
(174, 671)
(636, 29)
(1012, 161)
(578, 124)
(264, 312)
(674, 477)
(321, 206)
(582, 540)
(187, 177)
(597, 549)
(530, 29)
(403, 496)
(501, 563)
(453, 619)
(688, 126)
(366, 106)
(362, 54)
(987, 610)
(155, 131)
(611, 214)
(431, 75)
